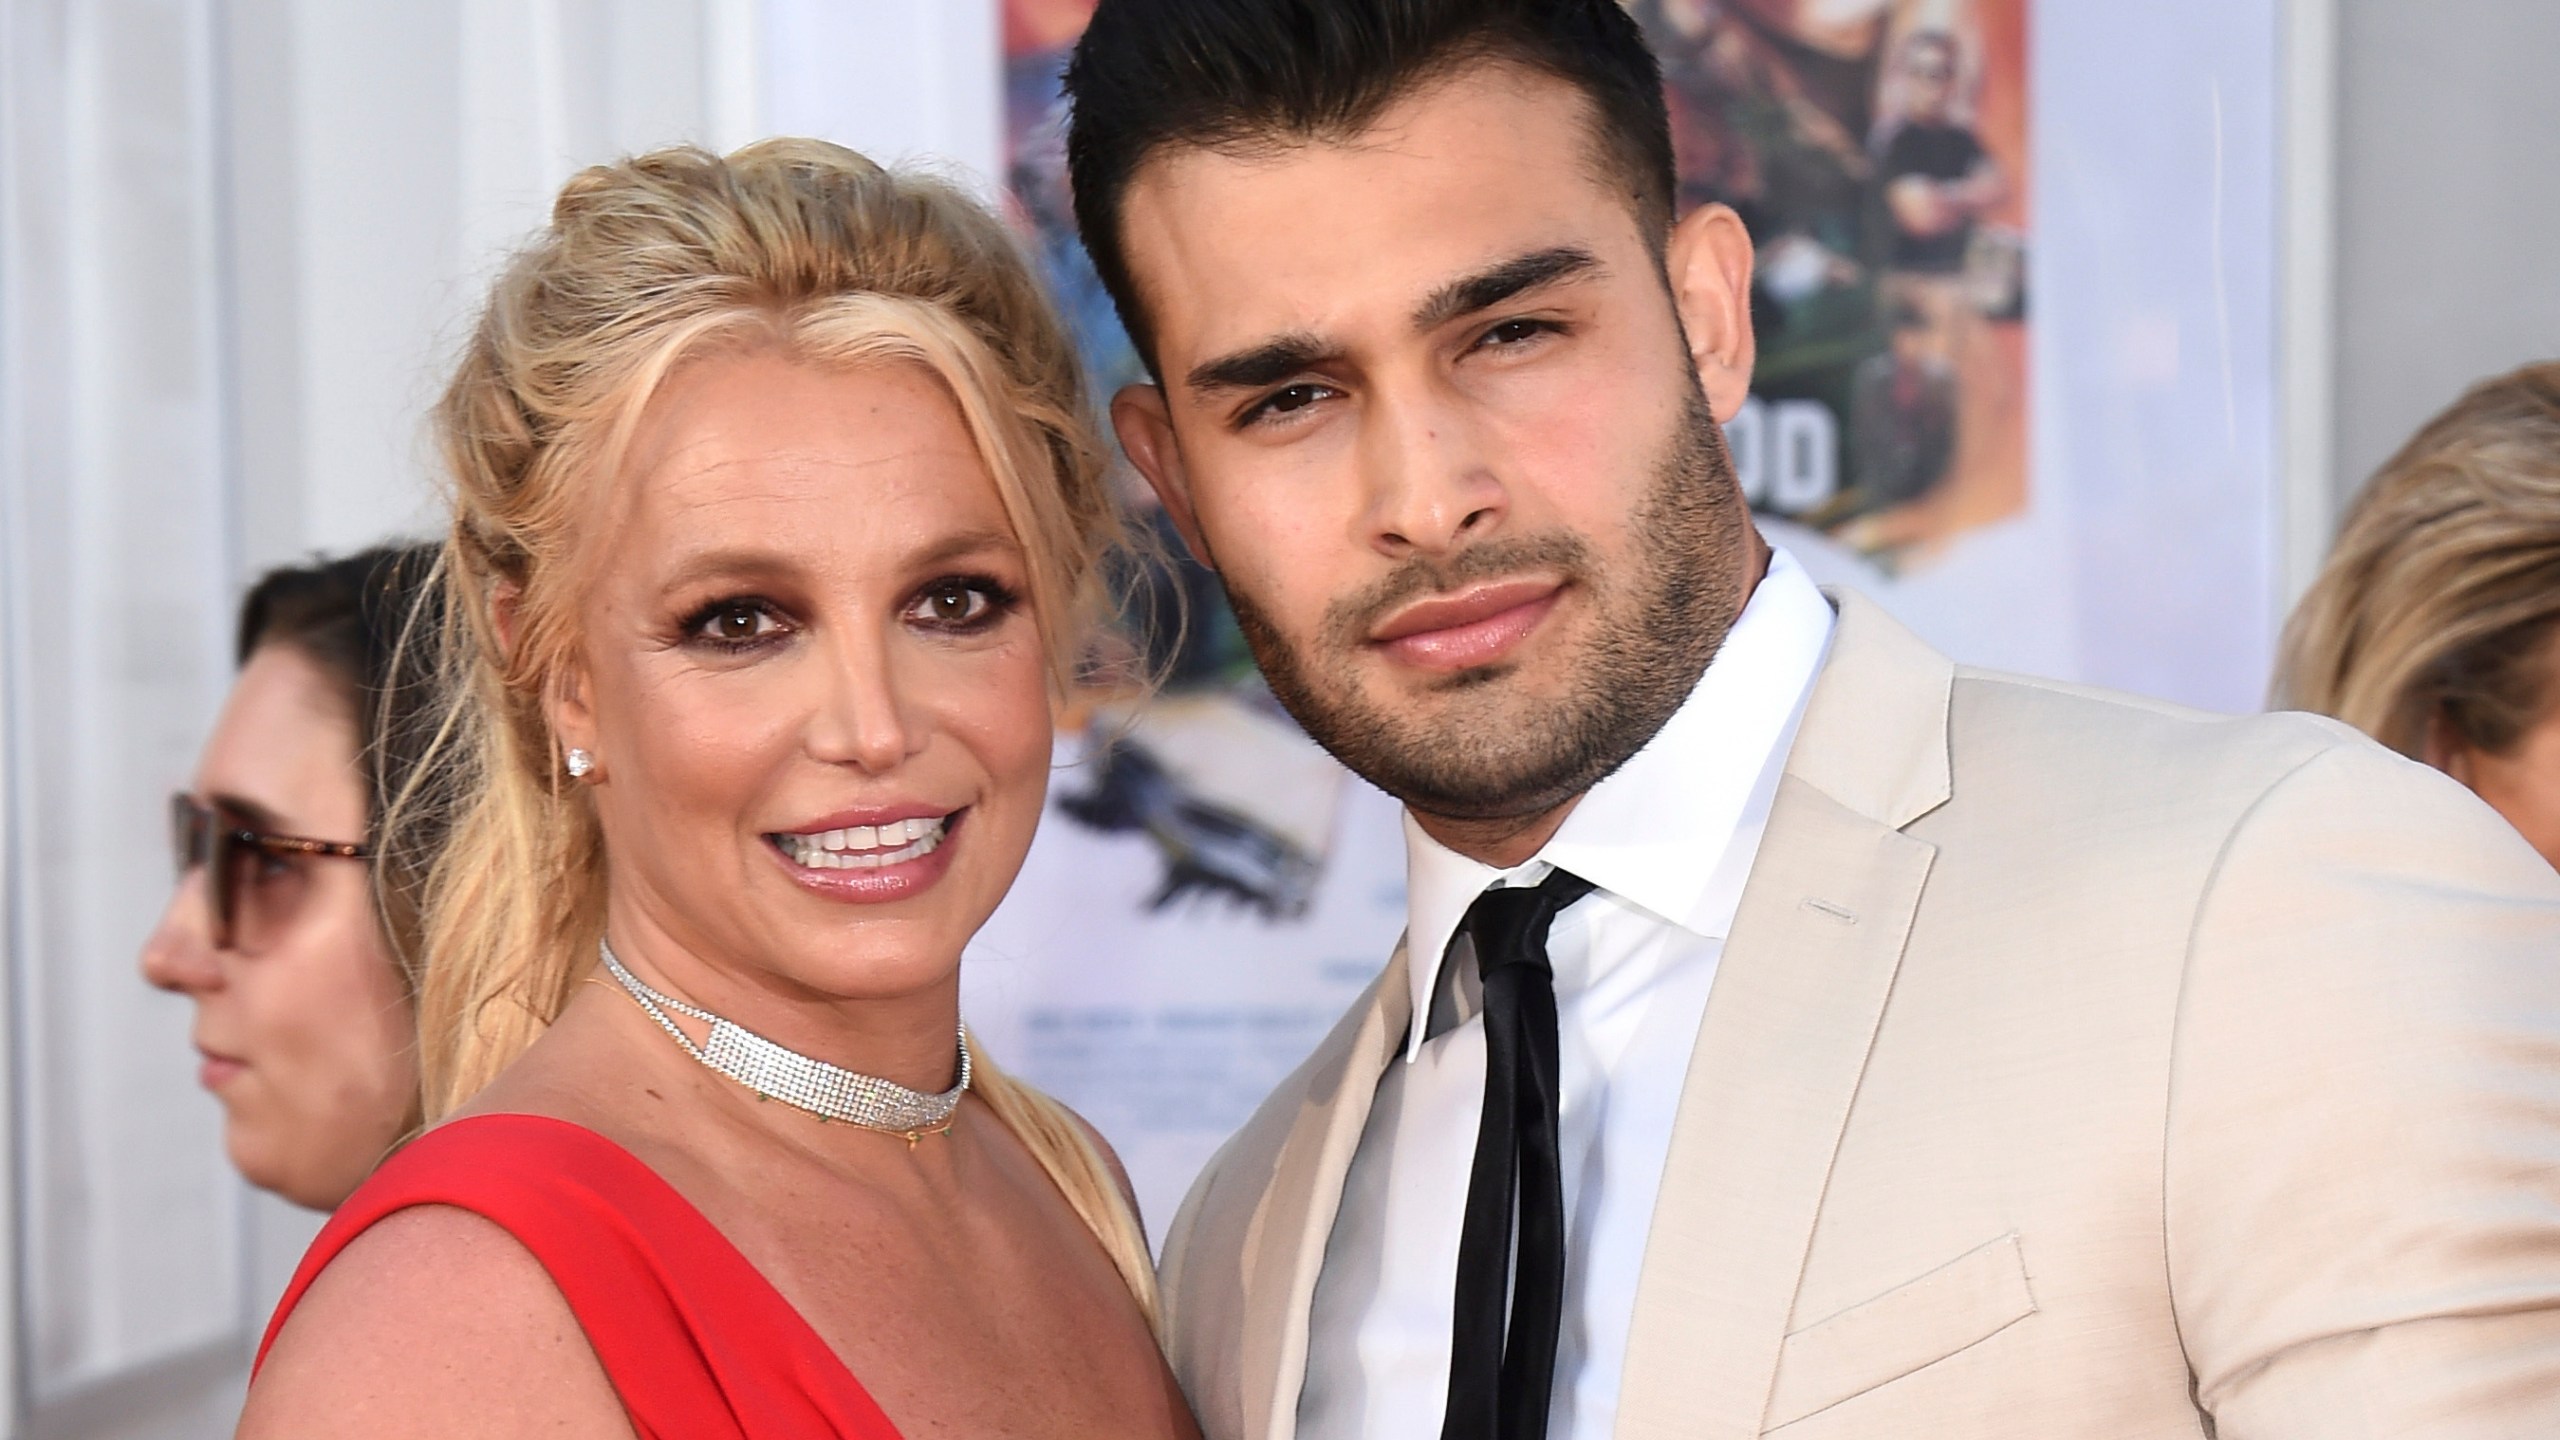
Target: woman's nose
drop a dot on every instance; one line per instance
(179, 956)
(864, 721)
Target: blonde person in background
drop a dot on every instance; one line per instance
(2435, 626)
(776, 526)
(292, 930)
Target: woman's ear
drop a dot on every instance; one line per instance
(565, 709)
(1709, 265)
(1145, 427)
(572, 718)
(2444, 748)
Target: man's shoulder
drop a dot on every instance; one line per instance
(2136, 782)
(2075, 736)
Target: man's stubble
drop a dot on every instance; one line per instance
(1497, 754)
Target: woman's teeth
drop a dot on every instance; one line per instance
(864, 847)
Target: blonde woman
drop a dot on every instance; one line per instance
(2435, 626)
(774, 517)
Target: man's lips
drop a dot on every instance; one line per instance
(1476, 626)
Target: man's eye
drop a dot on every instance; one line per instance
(1513, 332)
(1289, 400)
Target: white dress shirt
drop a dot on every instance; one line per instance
(1668, 840)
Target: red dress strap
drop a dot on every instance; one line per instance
(699, 1345)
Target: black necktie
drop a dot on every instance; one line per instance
(1500, 1377)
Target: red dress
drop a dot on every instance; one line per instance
(697, 1343)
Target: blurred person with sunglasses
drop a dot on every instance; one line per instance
(290, 931)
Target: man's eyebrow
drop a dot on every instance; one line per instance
(1268, 363)
(1491, 287)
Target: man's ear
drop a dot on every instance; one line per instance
(1709, 263)
(1145, 427)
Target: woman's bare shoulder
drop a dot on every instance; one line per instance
(432, 1323)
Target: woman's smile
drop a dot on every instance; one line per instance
(884, 859)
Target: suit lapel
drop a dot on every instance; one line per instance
(1287, 1239)
(1798, 995)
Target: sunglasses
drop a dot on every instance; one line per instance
(240, 864)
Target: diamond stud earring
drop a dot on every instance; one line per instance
(580, 762)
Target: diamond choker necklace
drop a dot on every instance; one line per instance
(774, 1073)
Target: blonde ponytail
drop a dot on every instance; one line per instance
(1065, 1149)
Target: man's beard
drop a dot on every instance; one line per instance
(1651, 632)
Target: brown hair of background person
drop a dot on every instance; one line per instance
(302, 964)
(2435, 625)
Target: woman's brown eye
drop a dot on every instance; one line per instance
(952, 604)
(734, 624)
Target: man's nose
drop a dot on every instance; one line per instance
(179, 955)
(1432, 489)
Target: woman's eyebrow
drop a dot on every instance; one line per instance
(962, 544)
(260, 818)
(751, 565)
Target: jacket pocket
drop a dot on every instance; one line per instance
(1960, 1304)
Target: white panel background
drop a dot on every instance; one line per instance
(115, 493)
(896, 80)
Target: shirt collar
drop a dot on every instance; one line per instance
(1652, 831)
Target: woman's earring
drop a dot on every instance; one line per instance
(580, 762)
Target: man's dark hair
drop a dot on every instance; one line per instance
(1217, 74)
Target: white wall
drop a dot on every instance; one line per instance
(384, 159)
(116, 556)
(894, 79)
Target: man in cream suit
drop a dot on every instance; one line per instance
(1795, 1032)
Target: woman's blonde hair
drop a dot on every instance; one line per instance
(2441, 600)
(793, 246)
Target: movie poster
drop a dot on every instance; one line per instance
(1209, 890)
(1876, 149)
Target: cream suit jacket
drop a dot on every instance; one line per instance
(2077, 1066)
